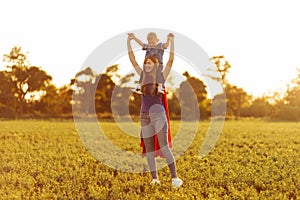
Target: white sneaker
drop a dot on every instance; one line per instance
(176, 182)
(137, 90)
(155, 182)
(160, 89)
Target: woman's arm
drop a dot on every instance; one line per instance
(166, 45)
(132, 57)
(136, 39)
(171, 57)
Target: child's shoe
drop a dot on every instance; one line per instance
(137, 90)
(160, 89)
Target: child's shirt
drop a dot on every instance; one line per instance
(158, 50)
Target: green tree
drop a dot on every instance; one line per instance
(26, 80)
(124, 100)
(237, 99)
(220, 101)
(219, 105)
(104, 90)
(100, 88)
(65, 98)
(223, 67)
(84, 91)
(174, 106)
(47, 104)
(193, 98)
(55, 102)
(293, 94)
(260, 107)
(289, 107)
(7, 99)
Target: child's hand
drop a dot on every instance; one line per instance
(171, 36)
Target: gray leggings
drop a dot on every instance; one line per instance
(157, 123)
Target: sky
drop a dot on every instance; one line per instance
(260, 39)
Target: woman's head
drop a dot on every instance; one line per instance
(150, 66)
(150, 63)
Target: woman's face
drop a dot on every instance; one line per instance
(149, 65)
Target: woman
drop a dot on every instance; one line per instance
(153, 114)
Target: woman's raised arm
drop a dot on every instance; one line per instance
(171, 57)
(132, 57)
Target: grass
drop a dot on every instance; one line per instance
(48, 160)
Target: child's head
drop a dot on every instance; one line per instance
(152, 39)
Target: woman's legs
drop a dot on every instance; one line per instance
(162, 137)
(150, 156)
(157, 123)
(148, 137)
(161, 128)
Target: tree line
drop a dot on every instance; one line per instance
(27, 91)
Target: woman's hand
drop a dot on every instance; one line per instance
(171, 36)
(130, 36)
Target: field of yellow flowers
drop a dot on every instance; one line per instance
(47, 160)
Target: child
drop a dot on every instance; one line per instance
(154, 48)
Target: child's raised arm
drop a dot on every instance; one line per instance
(170, 35)
(136, 39)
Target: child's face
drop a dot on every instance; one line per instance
(152, 41)
(149, 66)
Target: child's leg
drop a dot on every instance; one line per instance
(160, 88)
(138, 88)
(160, 79)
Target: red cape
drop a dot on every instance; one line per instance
(157, 151)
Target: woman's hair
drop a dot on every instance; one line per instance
(145, 82)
